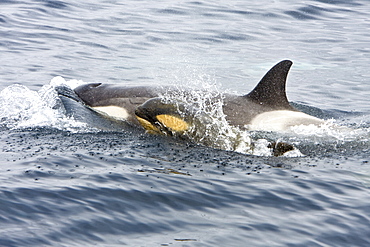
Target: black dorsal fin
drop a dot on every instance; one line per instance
(270, 91)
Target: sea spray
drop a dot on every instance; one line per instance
(22, 108)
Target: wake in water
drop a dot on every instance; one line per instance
(22, 108)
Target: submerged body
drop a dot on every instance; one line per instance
(265, 108)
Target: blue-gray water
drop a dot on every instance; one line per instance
(64, 185)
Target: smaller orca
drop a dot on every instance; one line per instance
(265, 108)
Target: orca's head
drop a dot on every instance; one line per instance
(158, 116)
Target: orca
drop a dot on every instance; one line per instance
(265, 108)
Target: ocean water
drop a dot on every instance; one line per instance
(67, 181)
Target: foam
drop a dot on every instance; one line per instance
(22, 108)
(329, 130)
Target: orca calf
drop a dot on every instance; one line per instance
(265, 108)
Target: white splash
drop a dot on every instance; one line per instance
(21, 107)
(329, 130)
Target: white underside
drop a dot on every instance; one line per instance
(268, 121)
(282, 120)
(113, 111)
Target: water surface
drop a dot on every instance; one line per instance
(64, 184)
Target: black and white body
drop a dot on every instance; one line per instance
(265, 108)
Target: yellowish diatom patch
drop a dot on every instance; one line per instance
(174, 123)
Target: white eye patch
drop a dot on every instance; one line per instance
(113, 111)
